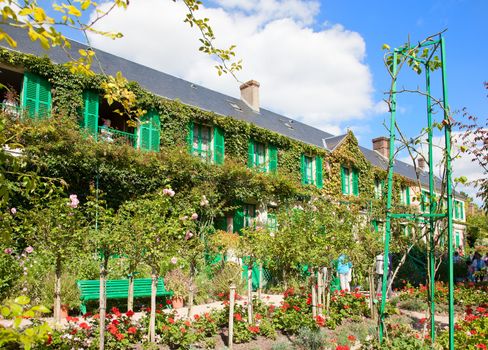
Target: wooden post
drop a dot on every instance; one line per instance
(152, 316)
(232, 297)
(314, 295)
(130, 295)
(249, 293)
(372, 292)
(103, 300)
(324, 285)
(319, 291)
(57, 292)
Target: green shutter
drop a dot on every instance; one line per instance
(458, 240)
(355, 182)
(407, 193)
(36, 96)
(149, 132)
(456, 210)
(343, 180)
(238, 220)
(462, 210)
(303, 171)
(273, 158)
(218, 146)
(189, 138)
(155, 132)
(250, 154)
(90, 112)
(318, 172)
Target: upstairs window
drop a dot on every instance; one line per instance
(349, 181)
(206, 142)
(405, 195)
(244, 217)
(149, 132)
(36, 96)
(262, 157)
(272, 223)
(458, 210)
(311, 168)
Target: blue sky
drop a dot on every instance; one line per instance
(320, 62)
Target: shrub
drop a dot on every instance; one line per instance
(309, 339)
(294, 313)
(178, 282)
(224, 277)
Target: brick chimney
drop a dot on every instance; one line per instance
(382, 146)
(250, 94)
(421, 164)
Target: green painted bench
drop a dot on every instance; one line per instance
(118, 289)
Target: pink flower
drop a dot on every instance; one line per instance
(168, 192)
(8, 250)
(13, 211)
(29, 250)
(174, 260)
(73, 201)
(188, 235)
(194, 216)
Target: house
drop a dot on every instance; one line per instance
(317, 161)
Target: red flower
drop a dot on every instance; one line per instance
(342, 347)
(309, 301)
(168, 302)
(346, 307)
(183, 330)
(422, 320)
(238, 317)
(112, 329)
(473, 332)
(72, 319)
(88, 314)
(119, 336)
(296, 308)
(96, 316)
(288, 292)
(271, 308)
(74, 331)
(258, 316)
(171, 320)
(480, 309)
(115, 322)
(132, 330)
(254, 329)
(116, 311)
(84, 325)
(285, 306)
(187, 323)
(481, 346)
(129, 313)
(320, 320)
(351, 338)
(196, 317)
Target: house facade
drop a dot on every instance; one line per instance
(265, 141)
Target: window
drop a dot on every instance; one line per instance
(405, 195)
(36, 96)
(457, 240)
(349, 181)
(311, 169)
(206, 142)
(458, 210)
(378, 188)
(90, 112)
(243, 217)
(262, 157)
(272, 223)
(148, 132)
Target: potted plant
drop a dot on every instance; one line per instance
(179, 283)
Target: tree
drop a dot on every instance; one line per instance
(57, 229)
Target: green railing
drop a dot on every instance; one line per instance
(113, 135)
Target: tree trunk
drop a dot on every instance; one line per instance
(372, 291)
(232, 296)
(249, 293)
(152, 316)
(57, 291)
(130, 294)
(260, 288)
(314, 294)
(103, 299)
(191, 292)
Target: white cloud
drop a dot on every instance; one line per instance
(318, 77)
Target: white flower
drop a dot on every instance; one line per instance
(272, 234)
(174, 260)
(204, 201)
(13, 211)
(194, 216)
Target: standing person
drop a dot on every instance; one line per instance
(379, 272)
(344, 271)
(477, 265)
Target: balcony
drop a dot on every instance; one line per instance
(107, 134)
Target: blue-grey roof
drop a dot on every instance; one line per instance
(174, 88)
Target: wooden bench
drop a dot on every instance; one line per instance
(118, 289)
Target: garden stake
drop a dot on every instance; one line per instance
(314, 295)
(232, 295)
(319, 291)
(260, 281)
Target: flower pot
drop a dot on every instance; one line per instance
(177, 302)
(64, 311)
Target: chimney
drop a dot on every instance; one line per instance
(250, 94)
(382, 146)
(421, 163)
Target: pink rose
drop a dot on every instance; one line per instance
(168, 192)
(8, 251)
(188, 235)
(174, 260)
(194, 216)
(29, 250)
(13, 211)
(73, 201)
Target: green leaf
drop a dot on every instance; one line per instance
(22, 300)
(385, 47)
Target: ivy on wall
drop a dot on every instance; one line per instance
(67, 90)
